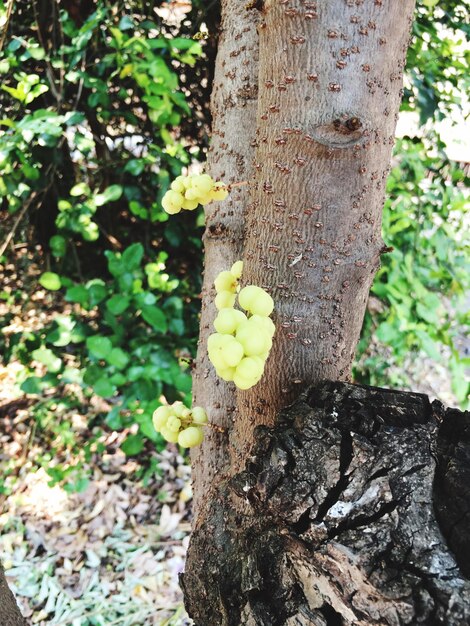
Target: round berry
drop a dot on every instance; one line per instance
(225, 300)
(228, 320)
(225, 281)
(237, 269)
(199, 416)
(254, 339)
(160, 416)
(190, 437)
(170, 435)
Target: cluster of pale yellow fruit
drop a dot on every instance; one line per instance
(178, 424)
(187, 192)
(241, 345)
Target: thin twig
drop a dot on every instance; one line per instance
(51, 168)
(49, 69)
(9, 11)
(117, 244)
(77, 261)
(11, 234)
(62, 43)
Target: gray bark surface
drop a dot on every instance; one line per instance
(338, 524)
(10, 614)
(330, 79)
(233, 107)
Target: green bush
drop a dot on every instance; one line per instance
(127, 342)
(90, 138)
(423, 281)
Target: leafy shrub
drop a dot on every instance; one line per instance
(423, 281)
(129, 341)
(424, 278)
(89, 140)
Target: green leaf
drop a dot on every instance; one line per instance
(36, 52)
(135, 167)
(429, 315)
(77, 486)
(145, 390)
(387, 333)
(117, 304)
(104, 388)
(145, 299)
(133, 445)
(139, 210)
(72, 375)
(58, 245)
(50, 281)
(126, 281)
(115, 265)
(118, 379)
(92, 374)
(99, 346)
(47, 358)
(177, 327)
(64, 333)
(155, 317)
(147, 428)
(183, 382)
(135, 372)
(97, 291)
(34, 384)
(118, 358)
(132, 256)
(126, 23)
(79, 294)
(429, 346)
(113, 419)
(81, 189)
(110, 194)
(461, 387)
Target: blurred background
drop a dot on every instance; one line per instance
(102, 105)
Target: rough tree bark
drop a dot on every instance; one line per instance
(330, 77)
(289, 527)
(233, 108)
(10, 614)
(341, 529)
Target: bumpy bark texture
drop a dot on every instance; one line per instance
(10, 614)
(330, 78)
(339, 526)
(233, 107)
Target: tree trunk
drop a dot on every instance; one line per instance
(10, 614)
(330, 77)
(323, 515)
(340, 527)
(233, 108)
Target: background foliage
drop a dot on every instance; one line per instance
(423, 285)
(103, 104)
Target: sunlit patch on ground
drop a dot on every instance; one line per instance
(109, 555)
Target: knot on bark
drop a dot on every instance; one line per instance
(343, 131)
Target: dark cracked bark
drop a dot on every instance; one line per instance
(341, 525)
